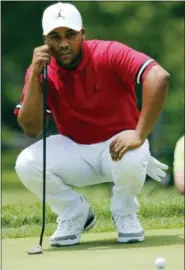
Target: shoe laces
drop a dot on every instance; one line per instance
(69, 224)
(126, 221)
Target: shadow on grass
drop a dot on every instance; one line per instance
(150, 241)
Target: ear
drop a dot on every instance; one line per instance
(83, 33)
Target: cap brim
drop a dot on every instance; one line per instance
(63, 24)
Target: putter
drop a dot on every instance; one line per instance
(39, 249)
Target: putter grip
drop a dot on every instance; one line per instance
(44, 72)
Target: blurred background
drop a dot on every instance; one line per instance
(155, 28)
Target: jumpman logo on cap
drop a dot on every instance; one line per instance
(59, 15)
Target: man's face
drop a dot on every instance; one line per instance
(65, 44)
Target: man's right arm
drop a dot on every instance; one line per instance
(31, 112)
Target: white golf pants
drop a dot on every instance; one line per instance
(71, 164)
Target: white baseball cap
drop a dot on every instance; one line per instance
(61, 15)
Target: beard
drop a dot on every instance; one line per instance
(72, 63)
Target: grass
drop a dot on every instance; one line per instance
(161, 207)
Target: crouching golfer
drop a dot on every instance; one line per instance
(102, 135)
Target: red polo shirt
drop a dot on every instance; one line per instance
(96, 100)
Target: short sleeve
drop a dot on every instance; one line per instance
(179, 155)
(128, 63)
(18, 106)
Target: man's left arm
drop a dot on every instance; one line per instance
(136, 67)
(154, 91)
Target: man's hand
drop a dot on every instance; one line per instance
(124, 142)
(41, 56)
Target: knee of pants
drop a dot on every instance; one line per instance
(26, 167)
(132, 166)
(30, 172)
(134, 163)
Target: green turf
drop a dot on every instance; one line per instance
(98, 251)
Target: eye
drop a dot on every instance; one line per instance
(71, 35)
(55, 37)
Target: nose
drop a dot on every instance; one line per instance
(64, 43)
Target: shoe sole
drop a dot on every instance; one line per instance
(130, 239)
(66, 243)
(71, 242)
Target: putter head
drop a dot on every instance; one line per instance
(35, 250)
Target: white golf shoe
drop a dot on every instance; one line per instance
(69, 231)
(129, 228)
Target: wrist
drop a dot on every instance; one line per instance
(34, 73)
(141, 135)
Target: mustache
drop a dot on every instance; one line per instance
(55, 51)
(63, 52)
